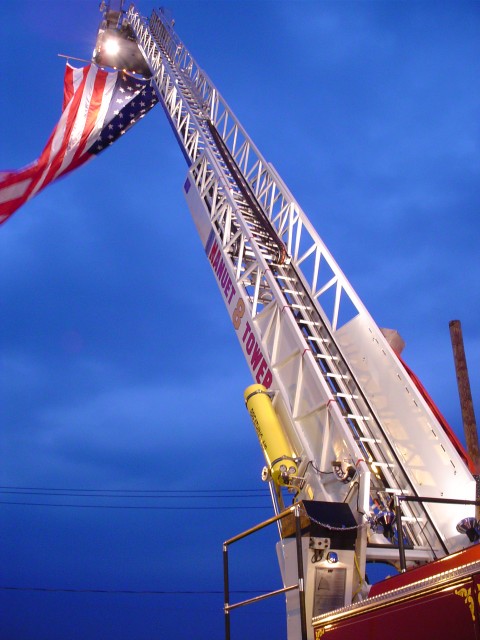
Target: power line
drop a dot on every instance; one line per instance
(118, 506)
(127, 591)
(194, 495)
(137, 490)
(60, 492)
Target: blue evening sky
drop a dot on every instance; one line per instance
(119, 367)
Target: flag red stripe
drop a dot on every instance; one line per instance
(58, 156)
(91, 120)
(68, 86)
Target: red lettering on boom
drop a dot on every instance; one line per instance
(225, 279)
(218, 257)
(267, 380)
(233, 292)
(250, 343)
(220, 268)
(261, 370)
(256, 356)
(213, 253)
(247, 331)
(253, 349)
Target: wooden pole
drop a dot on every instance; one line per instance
(464, 391)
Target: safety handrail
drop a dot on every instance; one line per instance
(397, 499)
(295, 509)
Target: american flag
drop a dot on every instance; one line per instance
(98, 107)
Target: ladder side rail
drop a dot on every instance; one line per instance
(294, 225)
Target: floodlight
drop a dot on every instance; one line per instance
(111, 46)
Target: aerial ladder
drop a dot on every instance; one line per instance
(345, 429)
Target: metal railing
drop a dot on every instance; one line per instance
(295, 509)
(397, 499)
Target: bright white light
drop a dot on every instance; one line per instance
(111, 47)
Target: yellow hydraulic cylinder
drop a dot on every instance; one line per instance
(278, 451)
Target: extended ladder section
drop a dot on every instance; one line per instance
(359, 426)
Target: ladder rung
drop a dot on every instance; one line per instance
(250, 253)
(353, 416)
(321, 356)
(382, 464)
(400, 492)
(325, 341)
(332, 375)
(310, 323)
(301, 306)
(372, 440)
(346, 395)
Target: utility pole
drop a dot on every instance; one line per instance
(466, 401)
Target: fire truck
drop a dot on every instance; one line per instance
(362, 467)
